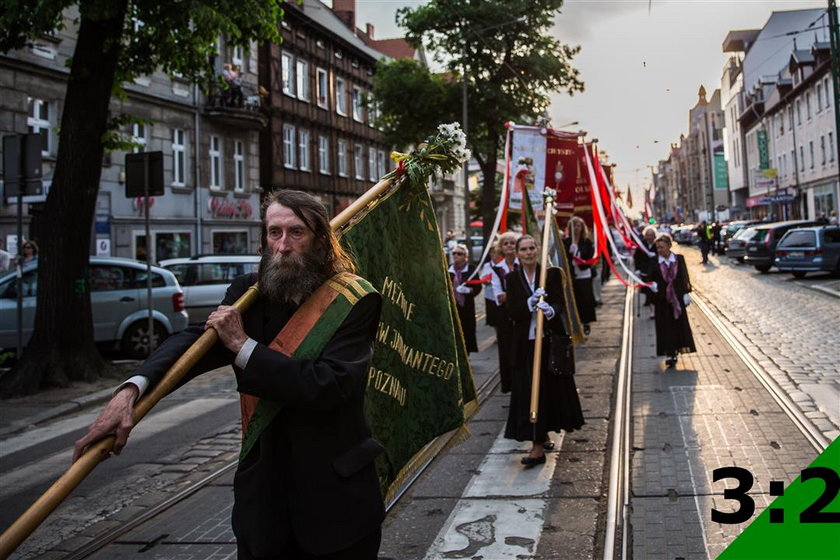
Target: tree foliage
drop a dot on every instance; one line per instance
(116, 41)
(512, 63)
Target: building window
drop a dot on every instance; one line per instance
(166, 245)
(811, 150)
(238, 166)
(822, 150)
(342, 158)
(230, 242)
(830, 146)
(357, 104)
(373, 112)
(289, 161)
(371, 164)
(288, 70)
(808, 105)
(798, 111)
(39, 121)
(179, 157)
(237, 56)
(322, 88)
(215, 163)
(784, 165)
(790, 117)
(138, 137)
(302, 77)
(323, 155)
(801, 158)
(828, 93)
(340, 96)
(303, 150)
(359, 161)
(819, 97)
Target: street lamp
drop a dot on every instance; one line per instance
(464, 125)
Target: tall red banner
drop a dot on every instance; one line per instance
(566, 173)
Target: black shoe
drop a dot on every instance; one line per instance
(586, 330)
(549, 445)
(533, 461)
(671, 362)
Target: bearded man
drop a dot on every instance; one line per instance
(306, 486)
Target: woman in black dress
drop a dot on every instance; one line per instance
(559, 406)
(464, 295)
(644, 259)
(580, 248)
(671, 287)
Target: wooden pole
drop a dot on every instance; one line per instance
(20, 530)
(548, 205)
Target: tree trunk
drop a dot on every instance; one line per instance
(62, 348)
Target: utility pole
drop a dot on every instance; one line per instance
(834, 34)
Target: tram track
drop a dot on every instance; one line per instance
(616, 535)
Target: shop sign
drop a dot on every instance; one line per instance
(222, 207)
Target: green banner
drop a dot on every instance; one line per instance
(763, 155)
(420, 377)
(803, 522)
(721, 173)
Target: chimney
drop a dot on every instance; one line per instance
(369, 30)
(346, 11)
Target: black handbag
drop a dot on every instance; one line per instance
(561, 354)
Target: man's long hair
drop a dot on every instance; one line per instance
(314, 215)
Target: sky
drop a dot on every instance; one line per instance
(642, 64)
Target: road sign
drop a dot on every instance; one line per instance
(22, 165)
(144, 169)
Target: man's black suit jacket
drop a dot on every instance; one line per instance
(311, 474)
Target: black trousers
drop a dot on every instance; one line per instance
(366, 548)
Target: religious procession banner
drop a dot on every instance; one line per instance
(544, 157)
(419, 380)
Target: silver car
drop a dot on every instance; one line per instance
(736, 246)
(206, 278)
(118, 303)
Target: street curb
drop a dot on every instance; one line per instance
(75, 405)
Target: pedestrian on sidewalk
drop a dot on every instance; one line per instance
(704, 233)
(671, 286)
(464, 295)
(581, 249)
(306, 486)
(644, 259)
(559, 405)
(506, 247)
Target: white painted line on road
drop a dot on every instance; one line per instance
(50, 467)
(39, 435)
(508, 525)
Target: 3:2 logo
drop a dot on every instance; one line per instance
(814, 513)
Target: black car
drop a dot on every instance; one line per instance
(761, 249)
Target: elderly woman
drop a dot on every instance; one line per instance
(464, 294)
(559, 406)
(506, 249)
(671, 287)
(579, 249)
(644, 259)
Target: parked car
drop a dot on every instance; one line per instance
(118, 302)
(730, 229)
(476, 249)
(736, 246)
(812, 249)
(205, 278)
(685, 234)
(761, 248)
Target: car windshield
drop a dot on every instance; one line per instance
(746, 234)
(799, 238)
(759, 235)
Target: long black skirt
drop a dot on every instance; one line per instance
(584, 299)
(673, 336)
(559, 405)
(491, 312)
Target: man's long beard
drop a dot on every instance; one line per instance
(290, 278)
